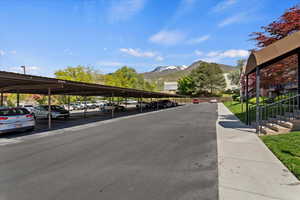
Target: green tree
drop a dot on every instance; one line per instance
(79, 73)
(127, 77)
(208, 77)
(235, 76)
(186, 85)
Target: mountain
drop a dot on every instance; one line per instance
(173, 73)
(169, 68)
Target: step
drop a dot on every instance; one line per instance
(280, 121)
(277, 128)
(267, 131)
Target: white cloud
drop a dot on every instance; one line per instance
(199, 53)
(33, 68)
(2, 52)
(233, 19)
(122, 10)
(139, 53)
(232, 53)
(29, 69)
(224, 5)
(167, 37)
(68, 52)
(198, 39)
(159, 58)
(218, 56)
(13, 52)
(110, 63)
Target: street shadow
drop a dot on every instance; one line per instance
(76, 119)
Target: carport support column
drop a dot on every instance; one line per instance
(2, 99)
(247, 97)
(49, 108)
(85, 107)
(298, 90)
(18, 99)
(257, 100)
(141, 109)
(69, 103)
(112, 106)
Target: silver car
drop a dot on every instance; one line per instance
(15, 119)
(41, 112)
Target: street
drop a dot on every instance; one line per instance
(166, 155)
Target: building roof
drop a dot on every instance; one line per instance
(29, 84)
(274, 52)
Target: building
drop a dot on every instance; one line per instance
(170, 87)
(229, 84)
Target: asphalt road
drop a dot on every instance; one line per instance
(169, 155)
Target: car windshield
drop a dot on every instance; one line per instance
(13, 112)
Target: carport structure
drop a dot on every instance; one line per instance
(28, 84)
(267, 57)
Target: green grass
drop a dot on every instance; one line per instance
(236, 108)
(287, 149)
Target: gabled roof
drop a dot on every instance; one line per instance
(274, 52)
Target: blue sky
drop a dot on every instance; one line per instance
(106, 34)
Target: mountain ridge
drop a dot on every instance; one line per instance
(175, 72)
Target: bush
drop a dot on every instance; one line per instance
(236, 97)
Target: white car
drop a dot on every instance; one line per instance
(66, 106)
(214, 101)
(29, 108)
(15, 119)
(41, 112)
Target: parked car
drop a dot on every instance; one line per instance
(91, 105)
(166, 103)
(196, 101)
(213, 101)
(69, 107)
(56, 112)
(144, 105)
(77, 106)
(29, 108)
(100, 104)
(16, 119)
(129, 101)
(112, 106)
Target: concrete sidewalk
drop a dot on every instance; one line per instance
(247, 168)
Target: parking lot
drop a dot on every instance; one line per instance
(77, 118)
(170, 154)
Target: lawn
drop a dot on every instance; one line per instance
(287, 149)
(236, 108)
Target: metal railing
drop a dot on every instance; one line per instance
(284, 108)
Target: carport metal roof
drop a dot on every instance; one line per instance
(274, 52)
(28, 84)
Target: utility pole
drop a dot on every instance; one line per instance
(24, 69)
